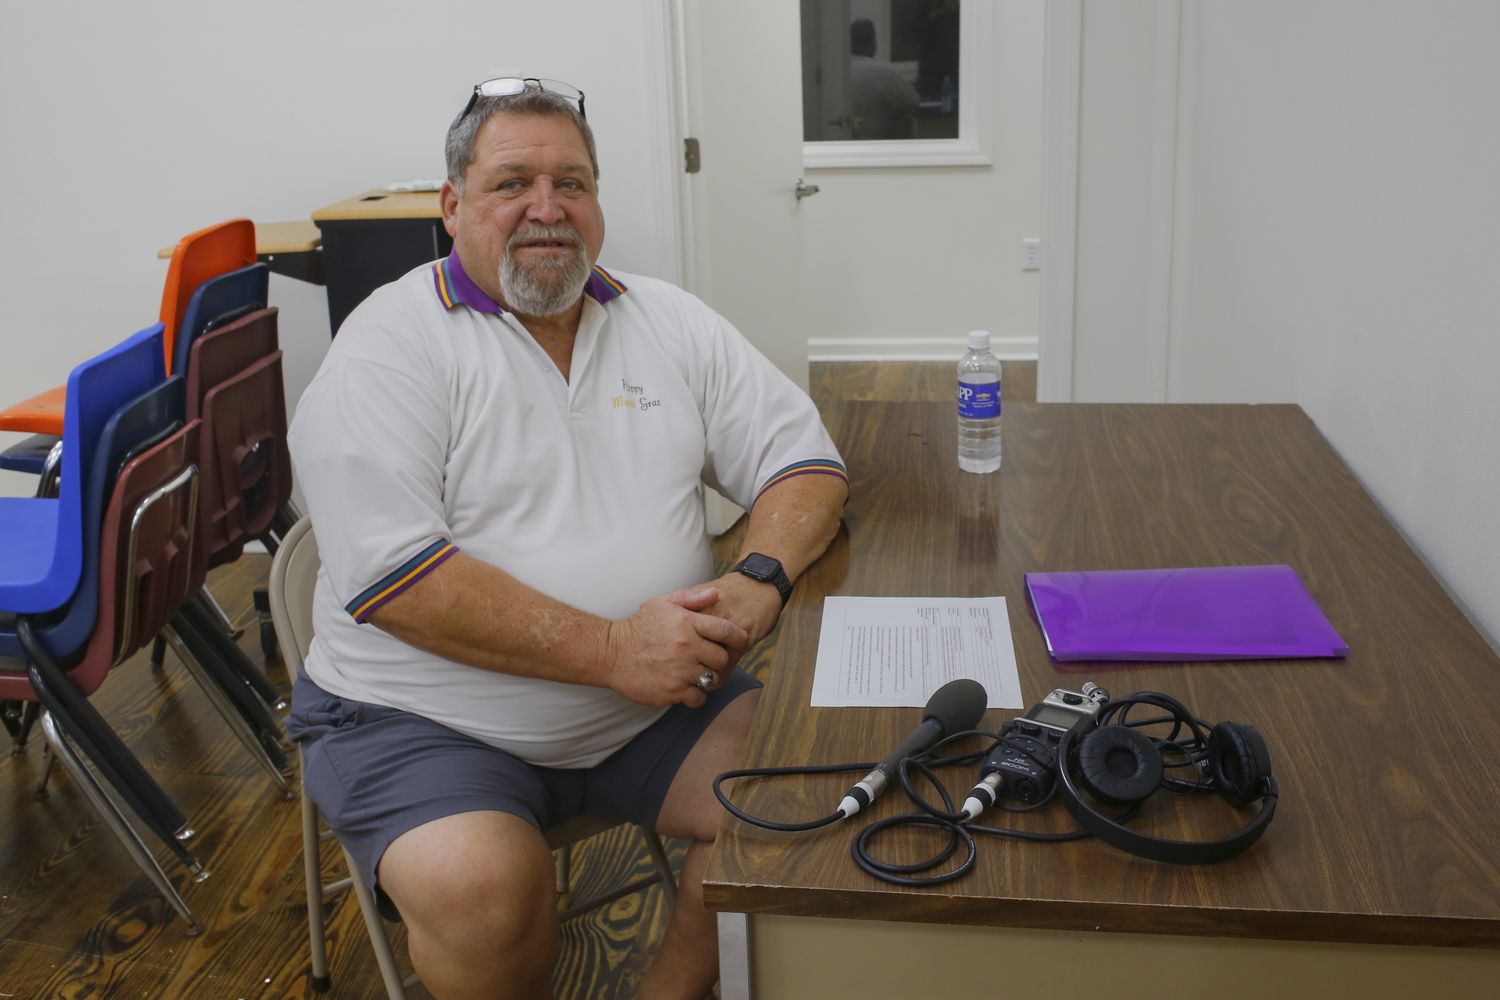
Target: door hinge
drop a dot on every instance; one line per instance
(690, 152)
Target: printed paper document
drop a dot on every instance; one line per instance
(896, 651)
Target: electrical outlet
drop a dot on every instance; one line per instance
(1031, 255)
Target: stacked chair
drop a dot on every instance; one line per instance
(89, 579)
(169, 454)
(228, 351)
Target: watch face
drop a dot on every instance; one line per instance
(759, 566)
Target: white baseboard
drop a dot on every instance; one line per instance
(914, 348)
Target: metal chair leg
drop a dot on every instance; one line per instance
(663, 866)
(564, 868)
(158, 653)
(217, 612)
(313, 870)
(118, 824)
(395, 986)
(103, 746)
(48, 759)
(198, 638)
(29, 712)
(230, 712)
(229, 651)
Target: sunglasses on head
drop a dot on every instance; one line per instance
(504, 86)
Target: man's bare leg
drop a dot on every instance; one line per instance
(477, 892)
(687, 963)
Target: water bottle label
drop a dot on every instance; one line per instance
(979, 400)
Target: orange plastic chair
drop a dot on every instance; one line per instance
(197, 257)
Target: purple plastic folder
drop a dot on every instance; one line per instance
(1214, 613)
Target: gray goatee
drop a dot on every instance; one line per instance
(545, 287)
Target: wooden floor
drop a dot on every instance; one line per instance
(77, 920)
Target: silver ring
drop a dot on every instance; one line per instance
(707, 681)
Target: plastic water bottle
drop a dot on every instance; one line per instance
(979, 406)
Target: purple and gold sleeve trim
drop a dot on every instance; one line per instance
(822, 467)
(399, 579)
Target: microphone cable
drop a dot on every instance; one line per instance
(946, 818)
(960, 829)
(766, 772)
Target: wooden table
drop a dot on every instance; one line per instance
(1389, 820)
(374, 238)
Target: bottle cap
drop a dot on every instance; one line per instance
(979, 340)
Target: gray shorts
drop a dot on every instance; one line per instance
(377, 772)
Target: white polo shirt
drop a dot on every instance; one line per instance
(437, 423)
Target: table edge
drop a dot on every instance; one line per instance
(1126, 918)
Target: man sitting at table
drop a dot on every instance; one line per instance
(501, 455)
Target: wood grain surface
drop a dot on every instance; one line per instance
(382, 204)
(1387, 819)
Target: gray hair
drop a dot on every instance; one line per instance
(459, 146)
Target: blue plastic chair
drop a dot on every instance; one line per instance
(41, 540)
(29, 455)
(65, 633)
(141, 422)
(219, 302)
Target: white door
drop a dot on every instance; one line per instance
(912, 242)
(742, 84)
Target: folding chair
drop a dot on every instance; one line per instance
(294, 574)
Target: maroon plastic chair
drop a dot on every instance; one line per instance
(221, 354)
(150, 562)
(244, 424)
(235, 387)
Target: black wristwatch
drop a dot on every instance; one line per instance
(766, 570)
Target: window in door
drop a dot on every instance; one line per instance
(892, 82)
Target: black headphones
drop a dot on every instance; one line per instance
(1117, 764)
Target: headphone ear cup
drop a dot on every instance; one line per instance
(1239, 762)
(1118, 765)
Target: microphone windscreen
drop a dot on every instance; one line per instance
(957, 705)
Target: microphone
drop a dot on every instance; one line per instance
(953, 708)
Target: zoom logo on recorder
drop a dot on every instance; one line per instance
(1081, 747)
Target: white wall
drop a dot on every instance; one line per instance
(127, 126)
(1297, 202)
(918, 256)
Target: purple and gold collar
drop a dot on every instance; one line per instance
(455, 288)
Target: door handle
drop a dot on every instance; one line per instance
(805, 190)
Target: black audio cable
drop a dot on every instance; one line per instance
(766, 772)
(1186, 744)
(958, 823)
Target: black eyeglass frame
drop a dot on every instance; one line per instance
(525, 81)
